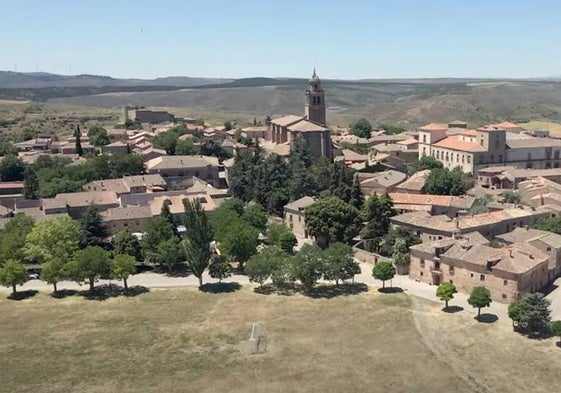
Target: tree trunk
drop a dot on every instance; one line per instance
(383, 284)
(14, 288)
(446, 304)
(200, 281)
(126, 286)
(54, 285)
(169, 268)
(336, 283)
(91, 284)
(478, 312)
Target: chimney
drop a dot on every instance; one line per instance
(510, 252)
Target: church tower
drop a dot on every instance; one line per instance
(315, 101)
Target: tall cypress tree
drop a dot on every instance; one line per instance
(78, 148)
(31, 184)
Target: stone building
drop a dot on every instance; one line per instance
(284, 132)
(176, 169)
(294, 215)
(469, 261)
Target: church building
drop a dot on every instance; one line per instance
(311, 128)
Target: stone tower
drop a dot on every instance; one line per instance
(315, 101)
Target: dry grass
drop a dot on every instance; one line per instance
(552, 127)
(183, 340)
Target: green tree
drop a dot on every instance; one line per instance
(186, 148)
(12, 239)
(339, 263)
(442, 181)
(287, 242)
(122, 266)
(125, 243)
(357, 197)
(169, 253)
(407, 235)
(361, 128)
(260, 267)
(308, 264)
(556, 330)
(198, 236)
(30, 184)
(550, 224)
(89, 265)
(239, 242)
(331, 219)
(511, 196)
(13, 273)
(254, 214)
(93, 231)
(426, 162)
(514, 312)
(377, 212)
(479, 297)
(156, 231)
(166, 213)
(12, 168)
(383, 271)
(52, 239)
(400, 254)
(534, 313)
(54, 271)
(78, 143)
(98, 136)
(219, 268)
(228, 125)
(445, 292)
(275, 231)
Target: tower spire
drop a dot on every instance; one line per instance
(314, 75)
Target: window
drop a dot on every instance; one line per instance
(548, 249)
(451, 281)
(424, 138)
(482, 277)
(471, 275)
(421, 273)
(422, 263)
(496, 143)
(505, 282)
(451, 270)
(481, 142)
(469, 159)
(492, 158)
(504, 296)
(437, 265)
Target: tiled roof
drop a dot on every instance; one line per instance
(82, 199)
(287, 120)
(506, 125)
(434, 127)
(126, 213)
(306, 126)
(416, 182)
(464, 202)
(381, 179)
(468, 132)
(171, 162)
(454, 143)
(299, 204)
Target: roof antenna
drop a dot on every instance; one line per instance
(314, 75)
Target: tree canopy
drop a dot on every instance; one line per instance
(534, 315)
(89, 265)
(122, 266)
(332, 220)
(383, 271)
(425, 162)
(13, 273)
(445, 292)
(479, 297)
(442, 181)
(98, 136)
(361, 128)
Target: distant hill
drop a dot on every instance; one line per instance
(408, 101)
(19, 80)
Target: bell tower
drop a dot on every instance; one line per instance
(315, 101)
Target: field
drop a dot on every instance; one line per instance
(184, 340)
(552, 127)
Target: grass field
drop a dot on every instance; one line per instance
(552, 127)
(184, 340)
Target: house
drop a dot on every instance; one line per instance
(492, 145)
(116, 148)
(255, 132)
(415, 183)
(76, 204)
(489, 224)
(508, 177)
(133, 218)
(151, 153)
(547, 242)
(129, 184)
(507, 272)
(175, 169)
(380, 182)
(294, 215)
(449, 205)
(232, 147)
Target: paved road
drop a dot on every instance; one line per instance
(410, 287)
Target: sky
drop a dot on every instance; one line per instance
(352, 39)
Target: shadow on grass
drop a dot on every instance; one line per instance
(62, 293)
(390, 290)
(104, 292)
(331, 291)
(220, 287)
(558, 344)
(285, 290)
(452, 309)
(487, 318)
(22, 295)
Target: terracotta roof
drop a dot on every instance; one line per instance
(506, 125)
(82, 199)
(7, 185)
(464, 202)
(410, 141)
(349, 155)
(381, 179)
(533, 142)
(468, 132)
(170, 162)
(306, 126)
(416, 182)
(454, 143)
(126, 213)
(434, 127)
(287, 120)
(490, 128)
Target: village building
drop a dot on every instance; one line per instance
(508, 177)
(380, 182)
(294, 215)
(176, 169)
(492, 145)
(129, 184)
(489, 224)
(415, 183)
(452, 206)
(469, 261)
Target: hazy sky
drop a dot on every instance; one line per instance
(343, 39)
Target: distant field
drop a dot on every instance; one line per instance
(553, 128)
(185, 340)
